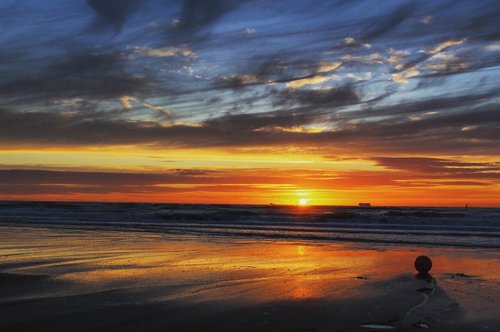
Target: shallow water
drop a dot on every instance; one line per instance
(206, 268)
(51, 274)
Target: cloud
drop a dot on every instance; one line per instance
(442, 64)
(328, 66)
(197, 15)
(351, 42)
(281, 69)
(426, 19)
(208, 84)
(50, 177)
(49, 182)
(402, 77)
(397, 56)
(114, 12)
(447, 63)
(275, 69)
(236, 81)
(400, 173)
(80, 76)
(126, 101)
(481, 22)
(374, 58)
(494, 47)
(444, 45)
(387, 23)
(165, 52)
(310, 81)
(438, 168)
(440, 133)
(334, 97)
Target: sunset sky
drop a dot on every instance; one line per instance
(257, 101)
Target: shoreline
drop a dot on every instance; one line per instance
(90, 227)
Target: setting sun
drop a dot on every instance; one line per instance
(303, 201)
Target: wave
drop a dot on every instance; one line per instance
(396, 225)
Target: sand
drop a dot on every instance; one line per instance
(60, 280)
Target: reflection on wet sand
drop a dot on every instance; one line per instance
(152, 268)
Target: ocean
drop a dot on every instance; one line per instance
(425, 226)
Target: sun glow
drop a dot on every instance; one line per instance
(303, 201)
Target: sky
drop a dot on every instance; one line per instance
(251, 102)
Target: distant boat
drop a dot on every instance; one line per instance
(364, 205)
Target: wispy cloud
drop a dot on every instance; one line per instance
(390, 78)
(164, 52)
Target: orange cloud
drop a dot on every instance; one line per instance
(398, 181)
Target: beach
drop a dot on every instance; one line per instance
(62, 278)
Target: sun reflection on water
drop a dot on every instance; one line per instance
(241, 270)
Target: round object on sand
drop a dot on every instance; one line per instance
(423, 264)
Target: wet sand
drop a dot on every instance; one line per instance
(59, 280)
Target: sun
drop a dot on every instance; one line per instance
(303, 201)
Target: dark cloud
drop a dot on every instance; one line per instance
(387, 22)
(424, 171)
(196, 16)
(60, 85)
(41, 182)
(235, 82)
(319, 98)
(405, 108)
(269, 69)
(418, 172)
(251, 122)
(86, 75)
(114, 12)
(282, 68)
(48, 177)
(439, 166)
(471, 132)
(483, 22)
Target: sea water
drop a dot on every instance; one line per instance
(460, 227)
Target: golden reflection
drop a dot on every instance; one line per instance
(200, 269)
